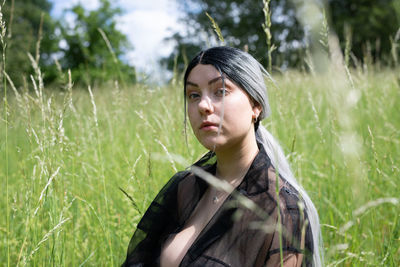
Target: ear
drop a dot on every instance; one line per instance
(256, 109)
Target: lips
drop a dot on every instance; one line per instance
(207, 125)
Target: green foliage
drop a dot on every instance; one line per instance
(24, 28)
(66, 154)
(69, 153)
(216, 28)
(91, 55)
(267, 29)
(372, 23)
(241, 25)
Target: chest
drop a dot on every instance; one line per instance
(177, 245)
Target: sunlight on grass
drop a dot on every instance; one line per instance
(67, 165)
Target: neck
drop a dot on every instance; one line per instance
(234, 162)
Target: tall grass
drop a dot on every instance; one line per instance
(67, 163)
(81, 165)
(5, 112)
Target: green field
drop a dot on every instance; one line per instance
(64, 157)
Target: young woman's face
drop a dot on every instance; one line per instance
(206, 103)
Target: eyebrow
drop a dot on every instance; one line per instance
(209, 82)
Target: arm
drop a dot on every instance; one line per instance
(289, 260)
(295, 237)
(145, 242)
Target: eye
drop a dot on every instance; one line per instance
(193, 95)
(221, 91)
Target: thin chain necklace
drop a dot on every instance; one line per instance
(219, 195)
(215, 199)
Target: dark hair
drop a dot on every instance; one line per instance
(240, 67)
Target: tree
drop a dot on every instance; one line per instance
(26, 22)
(241, 25)
(370, 22)
(93, 46)
(373, 22)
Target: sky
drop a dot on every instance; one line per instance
(145, 22)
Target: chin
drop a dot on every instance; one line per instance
(213, 144)
(208, 145)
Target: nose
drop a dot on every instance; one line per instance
(205, 105)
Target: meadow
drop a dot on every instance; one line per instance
(79, 166)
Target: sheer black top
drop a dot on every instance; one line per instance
(235, 235)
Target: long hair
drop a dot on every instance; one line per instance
(241, 68)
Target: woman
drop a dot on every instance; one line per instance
(192, 223)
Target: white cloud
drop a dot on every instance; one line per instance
(145, 23)
(146, 30)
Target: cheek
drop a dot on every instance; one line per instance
(190, 111)
(191, 114)
(238, 113)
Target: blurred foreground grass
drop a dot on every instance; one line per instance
(68, 155)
